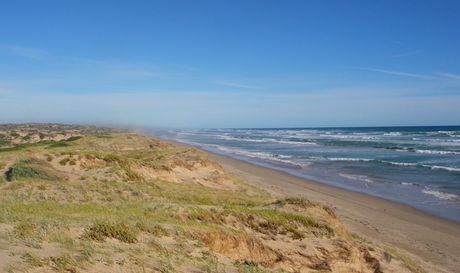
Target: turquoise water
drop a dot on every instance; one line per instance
(417, 166)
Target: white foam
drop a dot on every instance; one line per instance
(266, 140)
(243, 139)
(348, 136)
(441, 195)
(437, 152)
(409, 184)
(401, 163)
(357, 177)
(437, 140)
(448, 132)
(296, 142)
(264, 156)
(348, 159)
(451, 169)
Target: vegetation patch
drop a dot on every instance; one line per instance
(74, 138)
(33, 168)
(24, 229)
(4, 142)
(101, 230)
(57, 144)
(48, 144)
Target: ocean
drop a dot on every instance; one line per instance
(416, 166)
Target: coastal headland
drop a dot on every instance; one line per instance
(76, 198)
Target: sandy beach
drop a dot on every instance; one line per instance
(432, 242)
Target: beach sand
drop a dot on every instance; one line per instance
(432, 242)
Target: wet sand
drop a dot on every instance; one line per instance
(432, 242)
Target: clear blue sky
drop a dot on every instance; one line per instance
(230, 63)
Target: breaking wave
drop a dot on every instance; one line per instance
(441, 195)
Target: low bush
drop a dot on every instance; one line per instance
(73, 138)
(58, 144)
(101, 230)
(32, 168)
(64, 161)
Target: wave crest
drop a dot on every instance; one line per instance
(441, 195)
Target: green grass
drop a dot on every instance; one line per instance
(48, 144)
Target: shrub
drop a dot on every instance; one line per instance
(73, 138)
(106, 229)
(64, 161)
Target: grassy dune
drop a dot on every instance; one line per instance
(90, 199)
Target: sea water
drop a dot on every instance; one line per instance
(417, 166)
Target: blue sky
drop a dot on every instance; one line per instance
(230, 63)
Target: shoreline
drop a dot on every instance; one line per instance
(429, 240)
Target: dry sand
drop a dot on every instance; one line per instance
(432, 242)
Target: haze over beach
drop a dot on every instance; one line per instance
(326, 127)
(231, 64)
